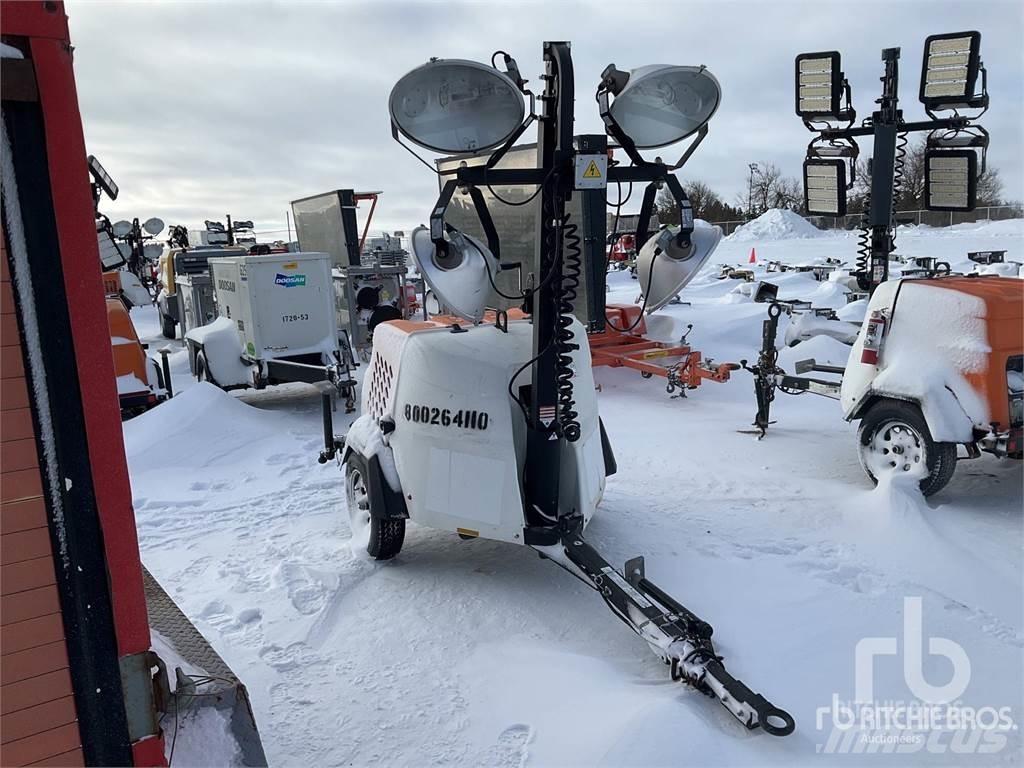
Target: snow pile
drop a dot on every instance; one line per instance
(223, 351)
(206, 431)
(129, 384)
(775, 224)
(854, 312)
(824, 350)
(1013, 227)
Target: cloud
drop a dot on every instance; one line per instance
(202, 109)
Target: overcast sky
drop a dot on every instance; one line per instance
(202, 109)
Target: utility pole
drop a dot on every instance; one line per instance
(750, 190)
(231, 232)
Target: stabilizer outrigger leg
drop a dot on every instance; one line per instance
(678, 636)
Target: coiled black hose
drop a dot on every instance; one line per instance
(897, 177)
(863, 263)
(571, 270)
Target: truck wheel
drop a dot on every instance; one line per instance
(894, 438)
(168, 327)
(382, 539)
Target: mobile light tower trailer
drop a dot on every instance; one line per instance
(487, 425)
(938, 361)
(275, 325)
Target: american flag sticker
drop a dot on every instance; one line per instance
(546, 414)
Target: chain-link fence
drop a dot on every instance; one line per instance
(929, 218)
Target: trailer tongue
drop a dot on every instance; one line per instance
(679, 637)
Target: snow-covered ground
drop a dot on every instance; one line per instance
(477, 653)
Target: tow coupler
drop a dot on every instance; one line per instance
(679, 637)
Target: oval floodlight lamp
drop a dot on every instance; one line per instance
(664, 268)
(152, 251)
(154, 226)
(121, 228)
(459, 279)
(660, 105)
(456, 106)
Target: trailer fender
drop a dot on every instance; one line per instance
(610, 465)
(946, 417)
(385, 502)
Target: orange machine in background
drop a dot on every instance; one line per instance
(140, 383)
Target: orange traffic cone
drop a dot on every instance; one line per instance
(753, 256)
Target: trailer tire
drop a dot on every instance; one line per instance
(891, 425)
(382, 538)
(168, 327)
(203, 369)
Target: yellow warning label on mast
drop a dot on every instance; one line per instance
(592, 172)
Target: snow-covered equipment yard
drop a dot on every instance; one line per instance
(476, 652)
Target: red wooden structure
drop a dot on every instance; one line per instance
(77, 683)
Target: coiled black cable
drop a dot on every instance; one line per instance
(863, 263)
(897, 178)
(571, 269)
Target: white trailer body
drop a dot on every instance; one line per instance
(282, 303)
(200, 237)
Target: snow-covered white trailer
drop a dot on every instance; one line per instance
(938, 363)
(275, 324)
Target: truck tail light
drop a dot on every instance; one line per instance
(873, 338)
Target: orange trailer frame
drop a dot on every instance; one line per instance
(617, 347)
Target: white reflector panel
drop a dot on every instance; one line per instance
(945, 89)
(949, 180)
(949, 70)
(950, 45)
(825, 187)
(817, 84)
(823, 64)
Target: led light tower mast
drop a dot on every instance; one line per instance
(885, 121)
(948, 83)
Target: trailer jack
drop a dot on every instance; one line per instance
(679, 637)
(769, 377)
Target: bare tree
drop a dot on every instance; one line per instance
(705, 202)
(788, 192)
(768, 188)
(763, 187)
(990, 187)
(666, 208)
